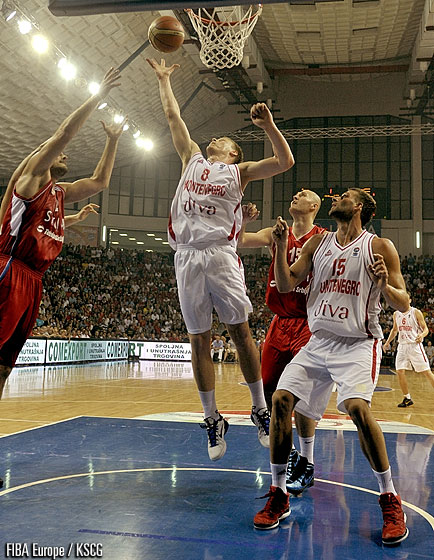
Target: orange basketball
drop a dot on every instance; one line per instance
(166, 34)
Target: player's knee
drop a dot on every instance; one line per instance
(357, 409)
(200, 343)
(283, 402)
(240, 334)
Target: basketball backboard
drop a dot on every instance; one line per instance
(81, 7)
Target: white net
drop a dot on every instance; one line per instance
(223, 32)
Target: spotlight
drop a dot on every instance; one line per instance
(136, 134)
(102, 106)
(94, 88)
(40, 44)
(125, 127)
(68, 71)
(118, 118)
(24, 26)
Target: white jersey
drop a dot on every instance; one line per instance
(206, 209)
(408, 327)
(342, 298)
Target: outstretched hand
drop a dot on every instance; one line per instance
(250, 212)
(280, 233)
(109, 82)
(161, 70)
(86, 210)
(261, 115)
(114, 130)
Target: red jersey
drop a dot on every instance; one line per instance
(291, 304)
(33, 228)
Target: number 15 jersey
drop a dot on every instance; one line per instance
(343, 299)
(206, 209)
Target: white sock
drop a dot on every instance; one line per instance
(278, 476)
(306, 447)
(257, 392)
(385, 481)
(207, 399)
(407, 396)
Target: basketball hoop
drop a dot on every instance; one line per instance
(223, 32)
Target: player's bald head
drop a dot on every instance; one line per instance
(314, 199)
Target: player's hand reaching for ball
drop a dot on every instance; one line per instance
(114, 130)
(250, 212)
(280, 233)
(261, 115)
(161, 70)
(109, 82)
(378, 271)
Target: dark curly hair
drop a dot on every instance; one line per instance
(369, 205)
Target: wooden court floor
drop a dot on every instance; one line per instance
(37, 396)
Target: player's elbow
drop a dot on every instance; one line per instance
(286, 163)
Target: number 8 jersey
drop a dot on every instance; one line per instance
(206, 209)
(342, 298)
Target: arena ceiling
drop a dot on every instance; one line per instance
(313, 40)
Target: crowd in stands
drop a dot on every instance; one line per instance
(115, 293)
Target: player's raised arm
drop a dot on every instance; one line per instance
(184, 145)
(281, 161)
(37, 169)
(261, 238)
(385, 272)
(288, 277)
(100, 179)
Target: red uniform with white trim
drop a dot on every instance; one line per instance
(31, 237)
(289, 330)
(410, 354)
(204, 225)
(343, 310)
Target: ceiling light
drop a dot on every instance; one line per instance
(158, 239)
(40, 44)
(111, 229)
(140, 242)
(132, 238)
(125, 127)
(123, 234)
(150, 234)
(136, 134)
(94, 88)
(68, 71)
(11, 15)
(165, 243)
(115, 242)
(102, 106)
(148, 144)
(24, 26)
(118, 118)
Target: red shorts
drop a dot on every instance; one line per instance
(285, 337)
(20, 296)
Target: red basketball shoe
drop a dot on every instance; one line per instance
(276, 509)
(394, 528)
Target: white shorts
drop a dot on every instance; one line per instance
(411, 356)
(208, 278)
(352, 363)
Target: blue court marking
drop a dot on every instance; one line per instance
(161, 497)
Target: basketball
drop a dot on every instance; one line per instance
(166, 34)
